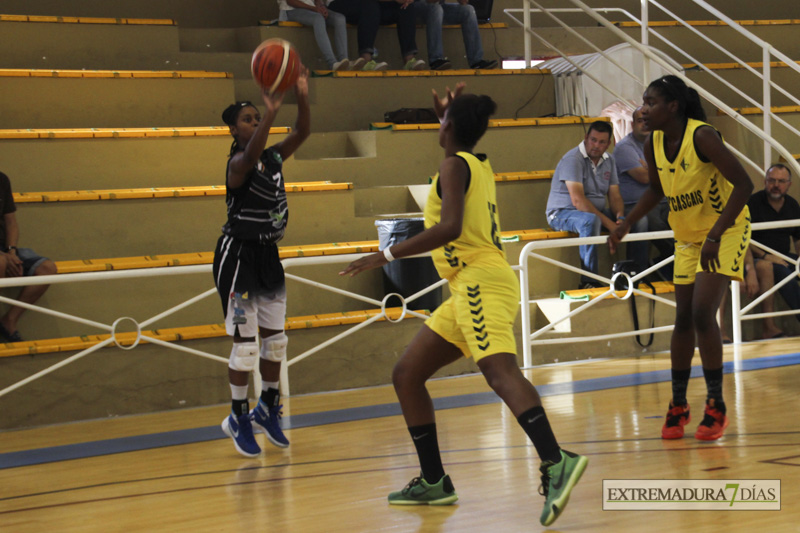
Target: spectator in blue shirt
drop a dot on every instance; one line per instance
(583, 180)
(633, 181)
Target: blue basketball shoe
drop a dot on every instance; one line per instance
(267, 420)
(241, 431)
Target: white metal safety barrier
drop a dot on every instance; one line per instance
(531, 251)
(529, 338)
(196, 269)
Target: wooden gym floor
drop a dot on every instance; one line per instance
(176, 471)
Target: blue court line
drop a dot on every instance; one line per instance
(204, 434)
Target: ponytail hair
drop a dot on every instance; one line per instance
(673, 88)
(470, 114)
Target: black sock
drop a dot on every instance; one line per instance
(680, 382)
(427, 444)
(537, 427)
(271, 397)
(240, 407)
(714, 384)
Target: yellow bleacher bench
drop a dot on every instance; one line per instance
(495, 123)
(285, 252)
(68, 344)
(74, 73)
(161, 192)
(111, 133)
(87, 20)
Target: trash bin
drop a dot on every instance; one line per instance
(408, 276)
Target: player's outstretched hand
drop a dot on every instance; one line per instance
(440, 105)
(616, 235)
(365, 263)
(272, 101)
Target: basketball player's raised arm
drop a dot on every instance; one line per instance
(242, 162)
(302, 126)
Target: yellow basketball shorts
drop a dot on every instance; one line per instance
(732, 249)
(479, 316)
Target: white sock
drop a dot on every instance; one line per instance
(238, 392)
(269, 385)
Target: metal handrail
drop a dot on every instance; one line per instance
(649, 55)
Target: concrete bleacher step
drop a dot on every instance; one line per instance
(49, 42)
(87, 99)
(152, 157)
(140, 224)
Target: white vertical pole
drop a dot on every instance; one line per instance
(767, 126)
(525, 308)
(736, 307)
(645, 42)
(284, 378)
(526, 23)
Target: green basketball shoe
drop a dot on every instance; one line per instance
(558, 479)
(419, 492)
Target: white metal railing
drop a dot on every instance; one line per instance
(650, 54)
(188, 270)
(531, 251)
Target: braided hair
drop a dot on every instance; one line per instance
(229, 117)
(673, 88)
(470, 114)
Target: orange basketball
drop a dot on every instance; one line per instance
(275, 65)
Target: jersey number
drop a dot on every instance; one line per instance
(495, 226)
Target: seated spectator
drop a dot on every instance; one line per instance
(370, 15)
(773, 204)
(633, 181)
(435, 13)
(584, 178)
(314, 13)
(15, 262)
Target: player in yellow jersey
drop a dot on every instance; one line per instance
(707, 189)
(463, 235)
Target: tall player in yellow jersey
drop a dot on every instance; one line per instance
(707, 189)
(463, 235)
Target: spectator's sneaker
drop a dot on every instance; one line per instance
(419, 492)
(240, 430)
(483, 64)
(415, 64)
(714, 421)
(677, 417)
(267, 420)
(441, 64)
(558, 480)
(358, 64)
(344, 64)
(373, 65)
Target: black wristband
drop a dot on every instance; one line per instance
(715, 241)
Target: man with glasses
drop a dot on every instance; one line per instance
(772, 204)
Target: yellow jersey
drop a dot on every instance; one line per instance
(697, 191)
(479, 242)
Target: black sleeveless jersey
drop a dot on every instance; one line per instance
(258, 211)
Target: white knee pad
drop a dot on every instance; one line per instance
(244, 356)
(274, 348)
